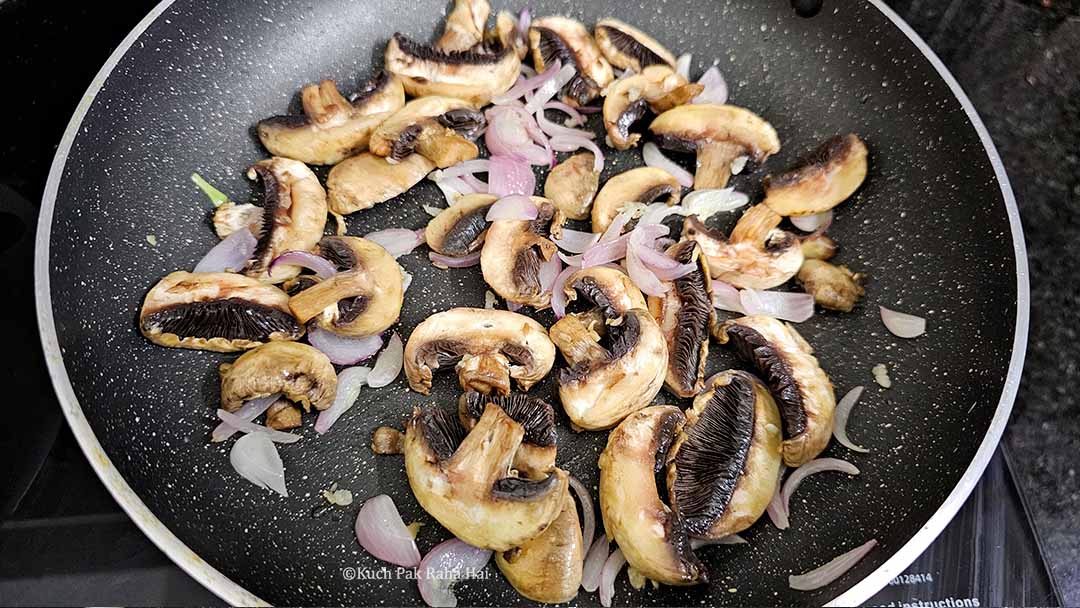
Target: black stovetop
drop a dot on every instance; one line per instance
(64, 541)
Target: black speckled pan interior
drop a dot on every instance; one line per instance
(929, 228)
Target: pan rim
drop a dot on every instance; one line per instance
(233, 593)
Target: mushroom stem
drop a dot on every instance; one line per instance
(714, 164)
(755, 224)
(485, 373)
(485, 454)
(323, 102)
(444, 147)
(577, 337)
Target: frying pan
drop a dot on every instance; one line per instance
(935, 228)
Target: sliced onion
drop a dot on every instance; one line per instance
(645, 279)
(256, 459)
(819, 577)
(612, 567)
(716, 89)
(605, 252)
(511, 132)
(655, 213)
(447, 261)
(655, 158)
(244, 426)
(777, 510)
(382, 533)
(406, 279)
(558, 295)
(232, 253)
(843, 411)
(509, 176)
(249, 411)
(818, 465)
(588, 511)
(527, 85)
(576, 117)
(730, 539)
(513, 207)
(397, 241)
(350, 381)
(513, 306)
(663, 266)
(468, 167)
(549, 271)
(739, 163)
(725, 296)
(571, 260)
(566, 143)
(388, 364)
(555, 130)
(615, 228)
(319, 265)
(594, 563)
(445, 565)
(812, 223)
(475, 184)
(544, 93)
(706, 203)
(903, 325)
(344, 350)
(453, 189)
(794, 307)
(524, 21)
(576, 241)
(682, 65)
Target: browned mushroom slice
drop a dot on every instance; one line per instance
(626, 101)
(460, 229)
(572, 184)
(818, 247)
(565, 40)
(230, 217)
(437, 128)
(515, 250)
(535, 459)
(608, 289)
(833, 287)
(718, 134)
(757, 256)
(283, 416)
(685, 314)
(548, 568)
(299, 372)
(486, 347)
(641, 185)
(362, 181)
(505, 35)
(820, 181)
(801, 388)
(464, 25)
(475, 76)
(628, 48)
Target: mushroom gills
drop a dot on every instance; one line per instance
(607, 289)
(437, 128)
(685, 314)
(474, 75)
(656, 89)
(301, 373)
(535, 459)
(821, 180)
(461, 228)
(548, 568)
(294, 212)
(514, 251)
(568, 41)
(628, 48)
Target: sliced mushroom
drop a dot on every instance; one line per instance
(801, 388)
(657, 88)
(475, 76)
(301, 373)
(757, 256)
(218, 311)
(833, 287)
(548, 568)
(572, 184)
(718, 134)
(434, 127)
(230, 217)
(608, 289)
(461, 479)
(331, 128)
(460, 229)
(294, 215)
(362, 299)
(616, 366)
(514, 251)
(820, 181)
(505, 35)
(685, 314)
(628, 48)
(568, 41)
(283, 416)
(464, 25)
(818, 247)
(724, 466)
(362, 181)
(535, 459)
(651, 535)
(486, 347)
(641, 185)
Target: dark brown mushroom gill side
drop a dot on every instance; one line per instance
(466, 122)
(444, 354)
(536, 416)
(342, 256)
(529, 259)
(616, 340)
(462, 238)
(675, 525)
(552, 47)
(232, 319)
(427, 52)
(631, 47)
(691, 339)
(593, 294)
(271, 200)
(755, 349)
(833, 148)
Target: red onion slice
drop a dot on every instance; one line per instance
(726, 297)
(382, 533)
(660, 264)
(818, 465)
(645, 279)
(612, 567)
(344, 350)
(576, 117)
(716, 89)
(249, 411)
(576, 241)
(707, 203)
(446, 564)
(821, 576)
(558, 293)
(546, 91)
(588, 511)
(231, 254)
(397, 241)
(527, 85)
(513, 207)
(524, 21)
(655, 158)
(244, 426)
(388, 364)
(319, 265)
(556, 130)
(468, 167)
(350, 381)
(682, 65)
(903, 325)
(568, 143)
(730, 539)
(843, 411)
(447, 261)
(256, 459)
(509, 176)
(605, 252)
(594, 563)
(549, 271)
(571, 260)
(475, 184)
(615, 228)
(655, 213)
(777, 510)
(812, 223)
(794, 307)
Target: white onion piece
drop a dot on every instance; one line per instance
(819, 577)
(546, 91)
(576, 241)
(716, 89)
(446, 564)
(682, 65)
(818, 465)
(576, 117)
(810, 223)
(433, 211)
(513, 207)
(344, 350)
(776, 510)
(645, 279)
(739, 163)
(524, 86)
(251, 410)
(794, 307)
(397, 241)
(594, 563)
(655, 213)
(566, 143)
(382, 533)
(450, 193)
(509, 176)
(232, 253)
(467, 167)
(612, 567)
(388, 364)
(406, 279)
(615, 228)
(730, 539)
(319, 265)
(350, 381)
(707, 203)
(605, 252)
(548, 272)
(256, 459)
(903, 325)
(571, 260)
(843, 411)
(447, 261)
(244, 426)
(554, 130)
(725, 296)
(474, 184)
(558, 295)
(655, 158)
(588, 511)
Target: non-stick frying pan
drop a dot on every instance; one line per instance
(935, 228)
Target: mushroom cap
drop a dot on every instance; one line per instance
(801, 388)
(219, 311)
(723, 469)
(464, 27)
(462, 479)
(535, 458)
(474, 76)
(628, 48)
(300, 372)
(487, 347)
(821, 180)
(362, 181)
(568, 41)
(685, 313)
(460, 229)
(514, 251)
(548, 568)
(607, 288)
(651, 535)
(572, 184)
(639, 185)
(363, 298)
(758, 255)
(657, 88)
